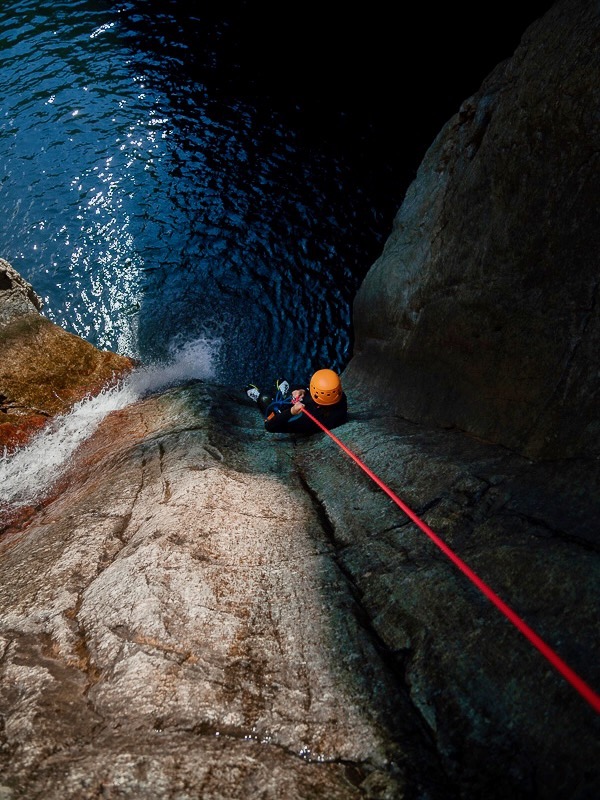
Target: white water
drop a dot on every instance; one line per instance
(28, 474)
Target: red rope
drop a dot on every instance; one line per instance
(584, 690)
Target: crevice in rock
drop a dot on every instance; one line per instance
(211, 729)
(166, 493)
(85, 663)
(393, 662)
(556, 533)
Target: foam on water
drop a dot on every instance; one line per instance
(28, 474)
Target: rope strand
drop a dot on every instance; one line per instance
(564, 669)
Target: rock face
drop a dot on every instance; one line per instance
(202, 610)
(191, 633)
(43, 369)
(18, 298)
(482, 311)
(211, 611)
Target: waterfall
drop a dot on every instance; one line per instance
(29, 473)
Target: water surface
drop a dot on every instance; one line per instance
(150, 205)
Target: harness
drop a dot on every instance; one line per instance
(277, 405)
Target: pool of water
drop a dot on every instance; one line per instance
(152, 199)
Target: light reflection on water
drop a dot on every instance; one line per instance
(152, 212)
(146, 209)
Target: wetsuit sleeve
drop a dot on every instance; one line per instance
(282, 421)
(277, 419)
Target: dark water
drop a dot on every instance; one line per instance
(171, 173)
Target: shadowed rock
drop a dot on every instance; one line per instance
(482, 311)
(200, 609)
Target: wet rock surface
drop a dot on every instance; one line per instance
(209, 610)
(200, 609)
(44, 369)
(178, 618)
(503, 720)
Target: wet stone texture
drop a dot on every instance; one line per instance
(203, 610)
(176, 624)
(43, 368)
(207, 610)
(504, 721)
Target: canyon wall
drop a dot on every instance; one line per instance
(481, 313)
(199, 609)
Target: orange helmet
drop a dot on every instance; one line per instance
(326, 387)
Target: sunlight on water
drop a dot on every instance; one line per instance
(146, 195)
(29, 473)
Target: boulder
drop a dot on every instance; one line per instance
(17, 297)
(44, 369)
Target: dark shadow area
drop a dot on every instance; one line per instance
(316, 123)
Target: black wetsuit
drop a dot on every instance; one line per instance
(279, 419)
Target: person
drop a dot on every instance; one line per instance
(282, 410)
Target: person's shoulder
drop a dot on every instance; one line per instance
(334, 410)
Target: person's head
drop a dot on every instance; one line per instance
(326, 387)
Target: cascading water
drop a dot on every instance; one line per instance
(30, 472)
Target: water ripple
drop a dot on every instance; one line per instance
(146, 207)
